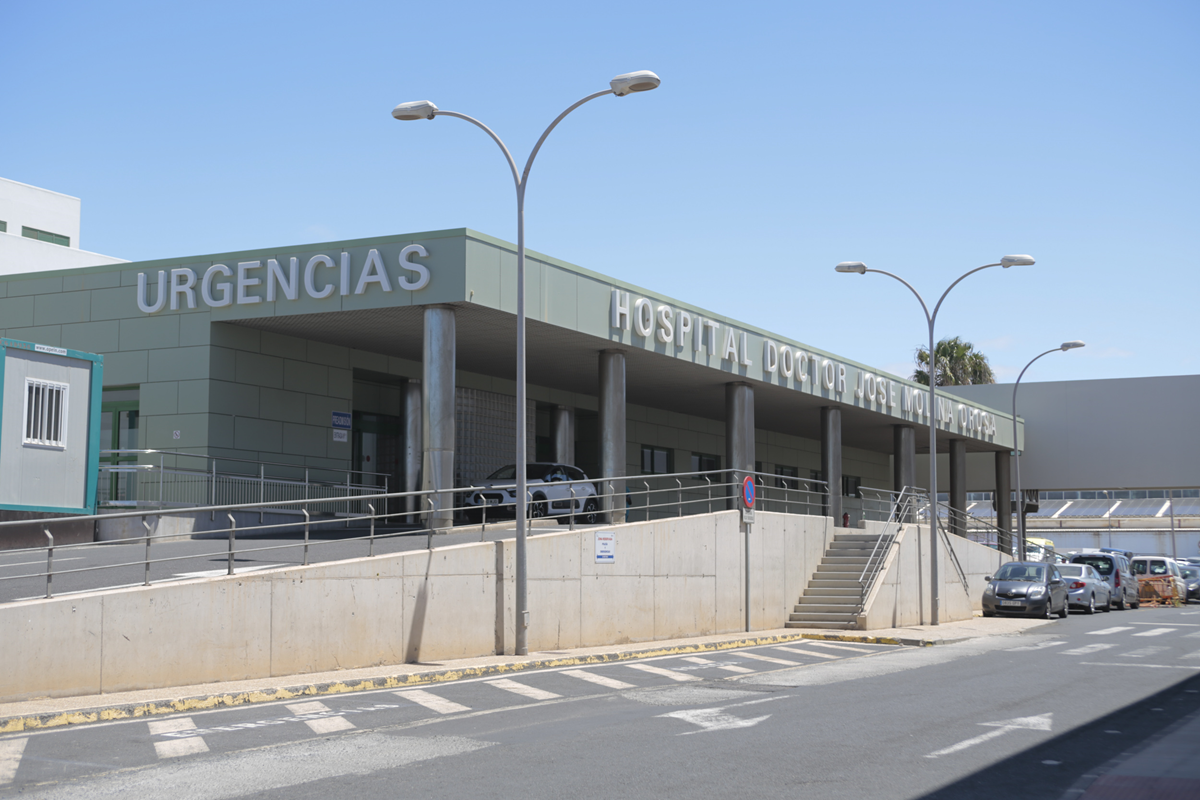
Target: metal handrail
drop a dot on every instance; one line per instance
(905, 498)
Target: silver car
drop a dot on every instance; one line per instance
(1086, 589)
(553, 490)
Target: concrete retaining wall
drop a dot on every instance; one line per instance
(671, 578)
(901, 596)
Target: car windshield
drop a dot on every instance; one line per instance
(1071, 570)
(1101, 564)
(1190, 572)
(532, 472)
(1022, 572)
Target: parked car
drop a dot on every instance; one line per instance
(1085, 588)
(1191, 576)
(552, 489)
(1114, 569)
(1029, 588)
(1160, 567)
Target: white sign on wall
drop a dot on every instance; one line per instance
(340, 435)
(606, 547)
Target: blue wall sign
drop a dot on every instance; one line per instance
(341, 419)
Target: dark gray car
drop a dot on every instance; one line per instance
(1028, 588)
(1115, 569)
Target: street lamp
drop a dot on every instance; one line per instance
(1017, 451)
(861, 269)
(629, 83)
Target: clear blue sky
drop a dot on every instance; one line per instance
(923, 138)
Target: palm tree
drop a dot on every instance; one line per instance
(958, 364)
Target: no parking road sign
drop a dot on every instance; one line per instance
(748, 489)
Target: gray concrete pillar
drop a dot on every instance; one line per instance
(831, 461)
(904, 457)
(612, 432)
(564, 435)
(958, 486)
(1003, 494)
(437, 413)
(413, 450)
(739, 435)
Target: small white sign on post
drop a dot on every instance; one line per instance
(340, 435)
(606, 547)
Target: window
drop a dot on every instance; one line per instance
(655, 460)
(3, 226)
(45, 236)
(850, 484)
(45, 413)
(787, 477)
(704, 462)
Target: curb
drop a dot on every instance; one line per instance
(228, 700)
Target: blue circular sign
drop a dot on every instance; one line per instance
(748, 491)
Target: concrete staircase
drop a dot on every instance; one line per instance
(834, 595)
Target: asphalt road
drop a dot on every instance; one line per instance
(111, 565)
(997, 717)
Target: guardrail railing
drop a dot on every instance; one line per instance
(430, 513)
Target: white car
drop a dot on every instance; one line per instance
(553, 488)
(1163, 568)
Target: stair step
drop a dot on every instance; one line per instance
(807, 609)
(856, 537)
(833, 591)
(849, 569)
(835, 583)
(825, 626)
(828, 616)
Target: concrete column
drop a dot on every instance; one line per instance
(1003, 491)
(413, 449)
(904, 457)
(739, 435)
(958, 486)
(612, 432)
(831, 461)
(564, 435)
(437, 413)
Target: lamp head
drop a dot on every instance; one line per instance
(1016, 261)
(641, 81)
(852, 266)
(1072, 345)
(418, 109)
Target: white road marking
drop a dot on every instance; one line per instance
(710, 663)
(837, 646)
(1142, 652)
(1038, 723)
(1106, 631)
(806, 652)
(1038, 646)
(330, 724)
(174, 748)
(664, 673)
(1191, 655)
(713, 719)
(599, 680)
(1195, 635)
(771, 659)
(1135, 664)
(431, 701)
(1156, 632)
(1087, 649)
(214, 573)
(10, 758)
(523, 690)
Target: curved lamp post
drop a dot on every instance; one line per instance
(861, 269)
(630, 82)
(1017, 451)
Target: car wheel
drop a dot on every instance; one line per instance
(591, 512)
(1136, 604)
(1107, 607)
(1066, 609)
(1091, 608)
(1049, 608)
(537, 509)
(1121, 602)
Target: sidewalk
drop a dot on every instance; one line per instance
(59, 711)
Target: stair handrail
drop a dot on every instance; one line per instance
(874, 564)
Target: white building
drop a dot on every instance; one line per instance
(39, 231)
